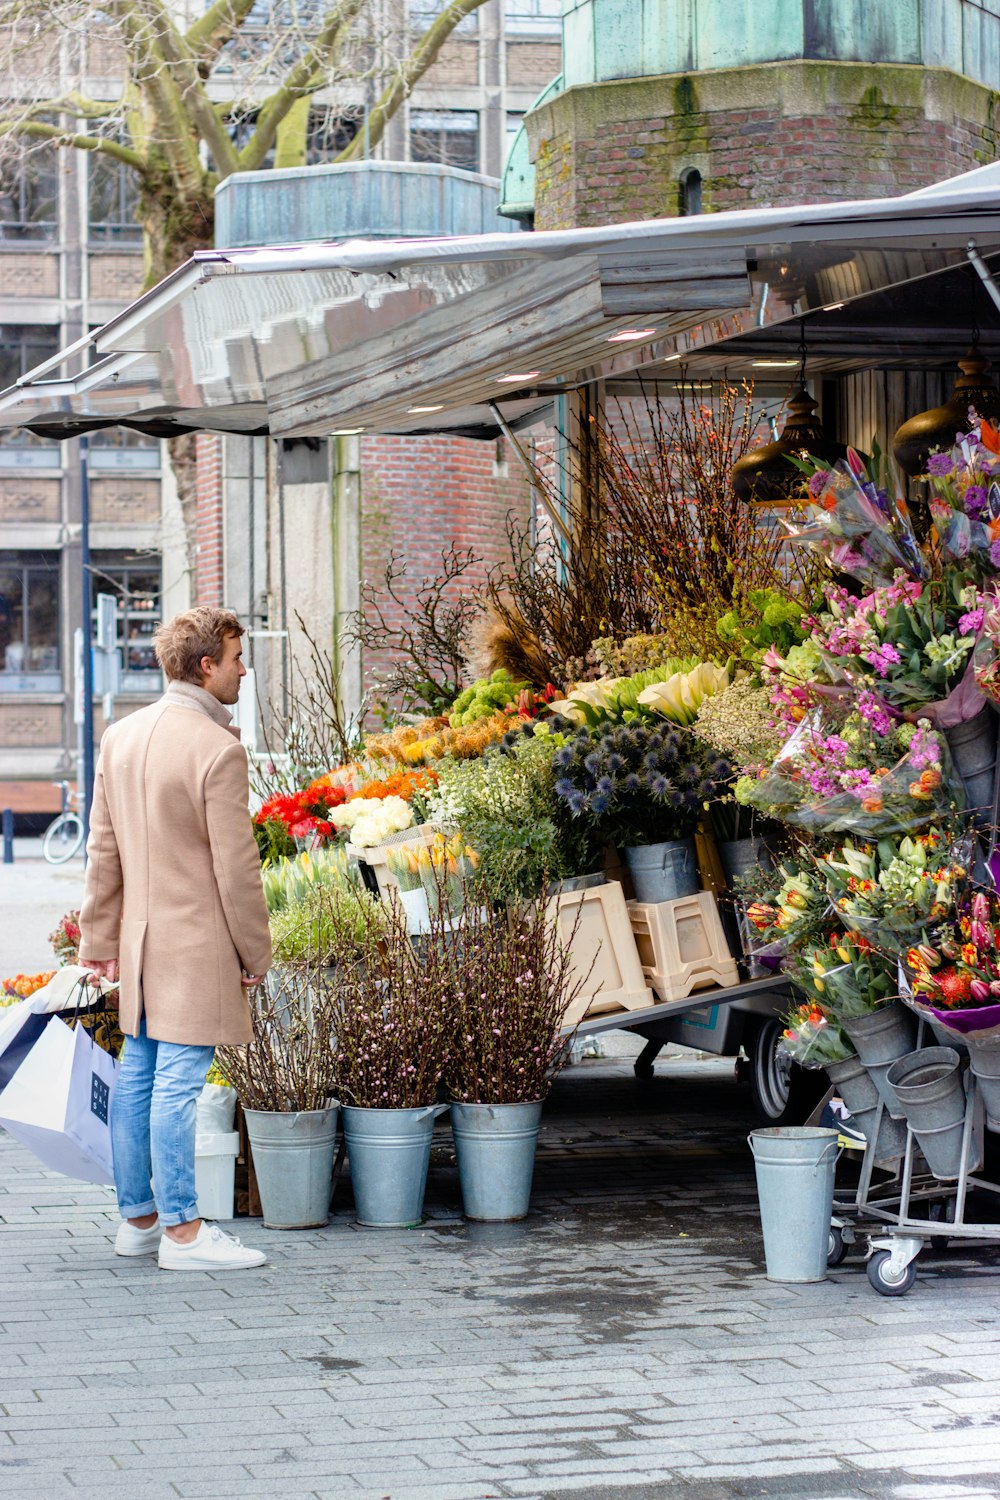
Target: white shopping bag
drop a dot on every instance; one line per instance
(58, 1103)
(22, 1025)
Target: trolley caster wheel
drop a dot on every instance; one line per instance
(642, 1070)
(836, 1249)
(886, 1283)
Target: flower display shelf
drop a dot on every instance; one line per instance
(682, 946)
(595, 924)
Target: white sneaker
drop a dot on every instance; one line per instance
(210, 1250)
(130, 1240)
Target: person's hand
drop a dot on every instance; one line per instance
(248, 981)
(101, 968)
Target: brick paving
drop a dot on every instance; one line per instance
(622, 1342)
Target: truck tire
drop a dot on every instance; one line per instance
(783, 1093)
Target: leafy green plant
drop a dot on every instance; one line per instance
(761, 619)
(289, 881)
(325, 924)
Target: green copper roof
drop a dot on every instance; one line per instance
(517, 194)
(608, 39)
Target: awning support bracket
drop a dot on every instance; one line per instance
(556, 520)
(984, 272)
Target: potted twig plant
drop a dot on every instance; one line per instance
(391, 1048)
(284, 1080)
(510, 981)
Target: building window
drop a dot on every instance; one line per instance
(449, 136)
(135, 582)
(539, 17)
(424, 12)
(22, 347)
(514, 121)
(28, 191)
(29, 620)
(331, 131)
(691, 191)
(112, 200)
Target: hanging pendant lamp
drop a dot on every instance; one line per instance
(765, 476)
(921, 435)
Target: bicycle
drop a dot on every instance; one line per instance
(64, 836)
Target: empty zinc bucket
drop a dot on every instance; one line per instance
(857, 1089)
(795, 1166)
(389, 1151)
(663, 872)
(880, 1038)
(293, 1158)
(928, 1085)
(984, 1061)
(495, 1147)
(973, 747)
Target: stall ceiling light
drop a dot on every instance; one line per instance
(518, 379)
(834, 306)
(411, 409)
(774, 364)
(626, 335)
(347, 432)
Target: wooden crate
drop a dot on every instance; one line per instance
(595, 923)
(682, 946)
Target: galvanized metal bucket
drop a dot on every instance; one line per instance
(389, 1151)
(495, 1146)
(984, 1060)
(795, 1166)
(928, 1084)
(973, 747)
(857, 1089)
(293, 1159)
(881, 1037)
(663, 872)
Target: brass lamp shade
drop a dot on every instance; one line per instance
(918, 437)
(765, 475)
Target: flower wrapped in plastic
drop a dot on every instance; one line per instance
(986, 655)
(812, 1039)
(795, 910)
(445, 869)
(855, 523)
(964, 501)
(846, 975)
(898, 891)
(845, 776)
(955, 980)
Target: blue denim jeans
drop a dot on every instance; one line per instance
(153, 1127)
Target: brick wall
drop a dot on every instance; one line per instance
(125, 502)
(208, 562)
(116, 277)
(779, 133)
(420, 494)
(34, 275)
(457, 63)
(533, 64)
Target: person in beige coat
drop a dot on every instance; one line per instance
(173, 904)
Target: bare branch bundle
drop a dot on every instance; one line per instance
(289, 1063)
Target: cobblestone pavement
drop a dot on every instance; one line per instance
(622, 1342)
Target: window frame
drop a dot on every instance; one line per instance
(112, 572)
(46, 563)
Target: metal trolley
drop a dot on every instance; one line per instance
(910, 1206)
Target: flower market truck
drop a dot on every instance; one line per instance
(709, 755)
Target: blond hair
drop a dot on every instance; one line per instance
(181, 643)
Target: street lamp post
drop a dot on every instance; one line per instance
(87, 790)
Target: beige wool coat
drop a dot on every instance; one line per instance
(173, 887)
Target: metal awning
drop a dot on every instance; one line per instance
(417, 336)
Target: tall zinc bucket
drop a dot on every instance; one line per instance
(663, 872)
(495, 1146)
(973, 747)
(389, 1151)
(739, 856)
(854, 1084)
(795, 1166)
(928, 1084)
(293, 1159)
(881, 1037)
(984, 1060)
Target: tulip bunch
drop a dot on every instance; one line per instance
(964, 500)
(812, 1039)
(961, 969)
(797, 910)
(846, 975)
(445, 868)
(20, 986)
(897, 890)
